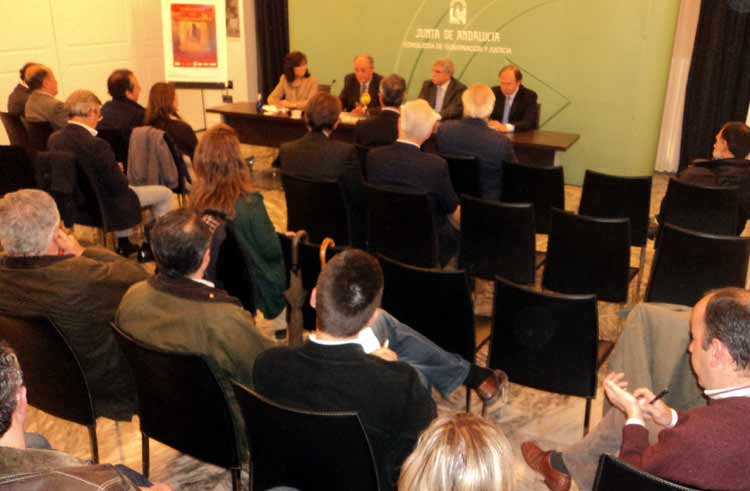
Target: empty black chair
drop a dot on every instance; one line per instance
(119, 143)
(709, 209)
(15, 129)
(400, 225)
(181, 404)
(318, 208)
(464, 172)
(589, 255)
(16, 169)
(51, 371)
(497, 239)
(233, 274)
(543, 187)
(616, 475)
(546, 340)
(606, 196)
(38, 133)
(303, 449)
(687, 264)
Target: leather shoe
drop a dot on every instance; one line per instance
(144, 253)
(126, 249)
(492, 388)
(539, 460)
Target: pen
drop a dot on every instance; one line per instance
(659, 396)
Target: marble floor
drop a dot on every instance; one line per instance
(551, 419)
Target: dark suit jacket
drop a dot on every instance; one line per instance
(17, 99)
(123, 115)
(381, 129)
(96, 154)
(391, 401)
(350, 93)
(472, 136)
(522, 112)
(452, 108)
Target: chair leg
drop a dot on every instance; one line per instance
(236, 479)
(640, 274)
(587, 417)
(94, 444)
(468, 399)
(144, 454)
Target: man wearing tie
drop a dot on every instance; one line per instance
(442, 91)
(515, 105)
(364, 80)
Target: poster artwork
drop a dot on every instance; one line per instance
(194, 36)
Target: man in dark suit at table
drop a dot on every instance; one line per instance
(17, 98)
(442, 91)
(472, 136)
(363, 80)
(382, 129)
(318, 158)
(515, 105)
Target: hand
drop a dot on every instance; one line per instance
(359, 110)
(658, 412)
(385, 354)
(67, 243)
(615, 387)
(498, 126)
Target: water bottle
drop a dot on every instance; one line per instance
(259, 103)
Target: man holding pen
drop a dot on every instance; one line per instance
(704, 447)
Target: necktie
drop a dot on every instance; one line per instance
(506, 109)
(439, 96)
(362, 88)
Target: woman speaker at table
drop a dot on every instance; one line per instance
(296, 85)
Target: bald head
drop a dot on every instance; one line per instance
(40, 77)
(364, 67)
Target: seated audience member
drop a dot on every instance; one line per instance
(296, 86)
(161, 113)
(442, 91)
(515, 105)
(391, 401)
(317, 157)
(223, 185)
(16, 457)
(122, 113)
(41, 106)
(460, 452)
(404, 164)
(704, 447)
(364, 80)
(48, 273)
(472, 136)
(79, 138)
(382, 129)
(21, 92)
(730, 166)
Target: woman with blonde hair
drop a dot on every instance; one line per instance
(460, 452)
(222, 187)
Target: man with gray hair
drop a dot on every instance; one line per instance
(46, 272)
(122, 202)
(472, 136)
(364, 80)
(442, 91)
(404, 164)
(42, 106)
(382, 129)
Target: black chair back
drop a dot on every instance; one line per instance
(90, 208)
(464, 172)
(607, 196)
(183, 175)
(708, 209)
(588, 255)
(56, 173)
(38, 133)
(233, 274)
(51, 371)
(317, 207)
(687, 264)
(16, 169)
(497, 239)
(545, 340)
(119, 143)
(15, 129)
(616, 475)
(303, 449)
(433, 302)
(362, 151)
(543, 187)
(181, 403)
(400, 225)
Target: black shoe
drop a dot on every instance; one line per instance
(144, 253)
(126, 249)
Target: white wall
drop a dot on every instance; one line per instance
(83, 41)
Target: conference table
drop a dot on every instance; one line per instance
(536, 147)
